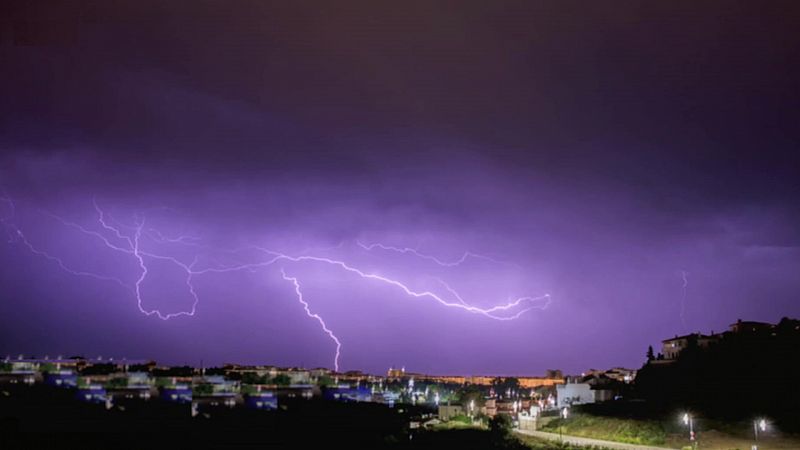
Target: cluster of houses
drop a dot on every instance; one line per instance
(526, 406)
(672, 348)
(111, 382)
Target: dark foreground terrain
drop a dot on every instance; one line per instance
(41, 417)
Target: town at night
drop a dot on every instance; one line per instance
(526, 225)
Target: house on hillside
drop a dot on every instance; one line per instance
(672, 348)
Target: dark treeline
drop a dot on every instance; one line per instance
(744, 375)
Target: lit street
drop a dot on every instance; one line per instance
(574, 440)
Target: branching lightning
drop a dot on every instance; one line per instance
(15, 235)
(135, 242)
(407, 250)
(510, 305)
(132, 247)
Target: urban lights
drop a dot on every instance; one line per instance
(564, 415)
(758, 424)
(688, 420)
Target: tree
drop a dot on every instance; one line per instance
(203, 389)
(178, 371)
(325, 380)
(215, 371)
(503, 385)
(500, 426)
(99, 369)
(47, 367)
(254, 378)
(116, 383)
(500, 431)
(139, 368)
(471, 393)
(282, 380)
(650, 354)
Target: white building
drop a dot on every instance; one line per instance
(574, 394)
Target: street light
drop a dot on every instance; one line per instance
(688, 420)
(758, 424)
(564, 414)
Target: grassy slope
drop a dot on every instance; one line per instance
(644, 432)
(541, 444)
(711, 435)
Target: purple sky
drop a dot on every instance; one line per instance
(638, 164)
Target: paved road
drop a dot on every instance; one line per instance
(574, 440)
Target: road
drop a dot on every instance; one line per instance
(574, 440)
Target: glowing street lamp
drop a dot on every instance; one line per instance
(688, 420)
(564, 415)
(758, 424)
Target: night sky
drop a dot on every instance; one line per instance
(637, 161)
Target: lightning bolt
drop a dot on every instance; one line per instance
(276, 257)
(315, 316)
(683, 298)
(157, 236)
(510, 305)
(460, 304)
(131, 245)
(132, 240)
(437, 261)
(15, 234)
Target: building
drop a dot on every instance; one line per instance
(448, 412)
(177, 393)
(552, 378)
(672, 348)
(554, 373)
(386, 397)
(574, 393)
(347, 393)
(305, 391)
(61, 378)
(489, 407)
(92, 393)
(295, 375)
(620, 374)
(320, 373)
(746, 326)
(267, 400)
